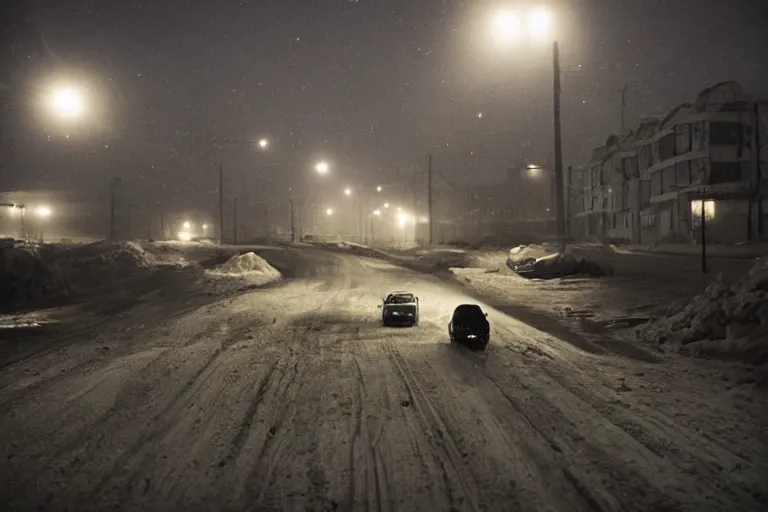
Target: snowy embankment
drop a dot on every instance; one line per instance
(724, 320)
(115, 275)
(547, 262)
(250, 267)
(32, 275)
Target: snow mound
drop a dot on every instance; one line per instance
(127, 254)
(248, 264)
(724, 319)
(544, 262)
(529, 253)
(443, 259)
(29, 275)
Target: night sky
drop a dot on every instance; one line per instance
(370, 85)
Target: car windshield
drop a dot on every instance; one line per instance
(468, 313)
(403, 298)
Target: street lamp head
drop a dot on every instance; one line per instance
(386, 205)
(507, 26)
(540, 25)
(263, 144)
(377, 212)
(329, 211)
(322, 167)
(43, 211)
(67, 103)
(347, 191)
(378, 189)
(187, 225)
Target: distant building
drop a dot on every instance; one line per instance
(647, 186)
(517, 208)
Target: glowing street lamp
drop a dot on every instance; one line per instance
(67, 103)
(378, 189)
(329, 211)
(263, 144)
(187, 224)
(347, 191)
(534, 170)
(540, 25)
(322, 167)
(377, 213)
(508, 26)
(386, 205)
(43, 211)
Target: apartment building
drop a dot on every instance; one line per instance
(651, 184)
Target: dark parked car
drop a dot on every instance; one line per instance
(400, 308)
(469, 325)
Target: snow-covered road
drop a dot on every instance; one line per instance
(294, 397)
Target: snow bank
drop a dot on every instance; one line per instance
(545, 262)
(29, 275)
(724, 319)
(127, 254)
(529, 253)
(248, 265)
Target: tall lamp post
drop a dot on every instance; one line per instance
(537, 25)
(322, 168)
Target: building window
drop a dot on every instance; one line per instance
(647, 220)
(724, 172)
(724, 133)
(697, 135)
(644, 157)
(630, 166)
(709, 209)
(625, 197)
(683, 138)
(656, 184)
(668, 179)
(667, 147)
(645, 192)
(683, 171)
(595, 176)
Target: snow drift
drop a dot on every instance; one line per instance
(248, 265)
(545, 262)
(30, 275)
(724, 319)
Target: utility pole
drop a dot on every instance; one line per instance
(162, 211)
(265, 220)
(221, 203)
(560, 210)
(234, 220)
(112, 199)
(623, 92)
(293, 221)
(703, 236)
(430, 206)
(361, 222)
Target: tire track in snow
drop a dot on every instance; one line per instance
(164, 421)
(432, 422)
(261, 476)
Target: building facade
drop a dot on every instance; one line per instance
(652, 184)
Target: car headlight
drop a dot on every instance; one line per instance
(471, 337)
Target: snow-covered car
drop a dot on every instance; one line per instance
(400, 308)
(469, 325)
